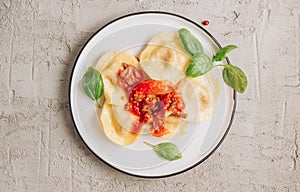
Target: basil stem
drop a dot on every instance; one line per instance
(166, 150)
(93, 84)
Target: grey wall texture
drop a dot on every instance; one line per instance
(40, 149)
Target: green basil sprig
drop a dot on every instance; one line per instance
(93, 84)
(201, 63)
(166, 150)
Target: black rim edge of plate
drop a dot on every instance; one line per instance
(190, 167)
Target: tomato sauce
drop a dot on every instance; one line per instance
(150, 100)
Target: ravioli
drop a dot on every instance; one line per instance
(168, 48)
(113, 130)
(175, 124)
(109, 65)
(198, 99)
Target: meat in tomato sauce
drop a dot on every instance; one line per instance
(150, 100)
(129, 76)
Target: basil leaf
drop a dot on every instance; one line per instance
(235, 78)
(167, 151)
(93, 84)
(221, 54)
(191, 44)
(199, 65)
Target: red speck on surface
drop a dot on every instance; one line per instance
(205, 22)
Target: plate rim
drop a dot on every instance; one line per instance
(192, 165)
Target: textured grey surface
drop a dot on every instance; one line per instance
(40, 149)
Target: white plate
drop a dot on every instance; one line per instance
(130, 33)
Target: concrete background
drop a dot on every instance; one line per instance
(40, 150)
